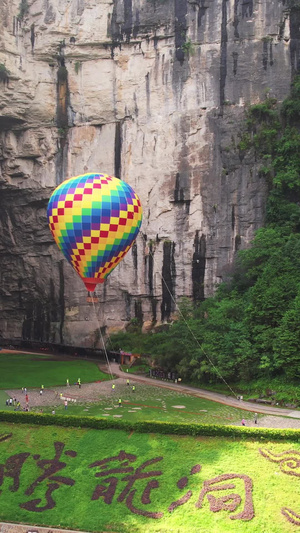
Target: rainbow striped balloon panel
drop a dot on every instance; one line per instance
(94, 219)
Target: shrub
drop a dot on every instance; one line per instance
(164, 428)
(23, 9)
(4, 72)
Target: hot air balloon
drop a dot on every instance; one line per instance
(94, 219)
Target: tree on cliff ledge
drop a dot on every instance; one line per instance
(250, 329)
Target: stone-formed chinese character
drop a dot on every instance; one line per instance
(291, 516)
(12, 468)
(50, 467)
(109, 482)
(181, 484)
(5, 436)
(228, 502)
(289, 463)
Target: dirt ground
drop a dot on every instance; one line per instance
(89, 392)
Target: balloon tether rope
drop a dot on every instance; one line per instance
(102, 340)
(186, 323)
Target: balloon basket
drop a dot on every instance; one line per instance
(92, 299)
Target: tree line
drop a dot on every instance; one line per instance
(250, 328)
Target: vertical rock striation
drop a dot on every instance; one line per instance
(154, 92)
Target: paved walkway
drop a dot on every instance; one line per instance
(6, 527)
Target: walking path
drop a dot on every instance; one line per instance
(6, 527)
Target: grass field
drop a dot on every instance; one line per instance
(124, 482)
(31, 370)
(153, 403)
(148, 402)
(87, 483)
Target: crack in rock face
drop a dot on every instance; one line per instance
(154, 92)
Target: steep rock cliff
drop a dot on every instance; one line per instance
(154, 92)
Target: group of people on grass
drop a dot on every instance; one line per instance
(13, 402)
(113, 387)
(17, 404)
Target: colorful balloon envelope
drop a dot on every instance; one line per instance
(94, 219)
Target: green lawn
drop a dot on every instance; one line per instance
(31, 370)
(44, 487)
(124, 482)
(154, 403)
(3, 398)
(147, 402)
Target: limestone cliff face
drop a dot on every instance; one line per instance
(154, 92)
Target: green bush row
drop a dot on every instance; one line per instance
(167, 428)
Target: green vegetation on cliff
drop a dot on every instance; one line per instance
(250, 329)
